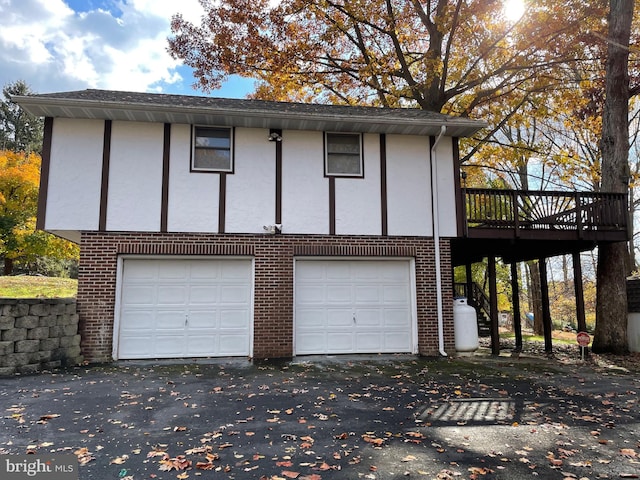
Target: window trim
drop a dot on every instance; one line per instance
(326, 155)
(193, 168)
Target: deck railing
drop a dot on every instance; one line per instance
(527, 210)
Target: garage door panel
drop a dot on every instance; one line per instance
(367, 294)
(338, 294)
(171, 295)
(232, 345)
(167, 345)
(369, 342)
(170, 320)
(307, 294)
(234, 318)
(337, 271)
(368, 318)
(199, 319)
(330, 293)
(312, 342)
(398, 341)
(396, 317)
(139, 295)
(232, 269)
(310, 318)
(395, 293)
(339, 318)
(340, 342)
(185, 307)
(234, 294)
(172, 270)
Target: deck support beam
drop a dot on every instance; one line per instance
(493, 301)
(546, 310)
(515, 294)
(577, 284)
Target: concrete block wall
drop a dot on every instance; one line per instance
(38, 334)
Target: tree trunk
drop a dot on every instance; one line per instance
(8, 266)
(611, 302)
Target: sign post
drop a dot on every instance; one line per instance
(583, 340)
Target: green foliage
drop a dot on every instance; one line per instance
(19, 130)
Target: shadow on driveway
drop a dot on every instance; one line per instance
(371, 417)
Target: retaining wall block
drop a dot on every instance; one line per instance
(50, 343)
(27, 346)
(6, 348)
(40, 309)
(15, 309)
(28, 321)
(70, 341)
(38, 333)
(49, 321)
(14, 360)
(7, 323)
(14, 335)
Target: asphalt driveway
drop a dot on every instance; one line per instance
(381, 417)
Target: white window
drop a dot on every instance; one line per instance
(343, 155)
(212, 149)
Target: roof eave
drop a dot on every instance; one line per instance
(257, 118)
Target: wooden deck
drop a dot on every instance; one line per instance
(521, 225)
(544, 215)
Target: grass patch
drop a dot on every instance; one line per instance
(25, 286)
(558, 337)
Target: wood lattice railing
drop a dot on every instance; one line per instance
(527, 210)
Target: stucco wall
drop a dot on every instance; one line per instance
(242, 201)
(38, 334)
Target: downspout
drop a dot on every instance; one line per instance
(435, 219)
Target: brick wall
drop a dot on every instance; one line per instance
(273, 302)
(38, 334)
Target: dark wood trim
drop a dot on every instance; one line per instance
(222, 202)
(332, 206)
(104, 188)
(457, 172)
(44, 173)
(384, 212)
(546, 310)
(166, 148)
(278, 176)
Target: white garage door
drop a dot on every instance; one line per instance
(353, 306)
(185, 308)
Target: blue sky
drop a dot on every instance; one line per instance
(60, 45)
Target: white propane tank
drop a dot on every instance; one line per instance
(465, 326)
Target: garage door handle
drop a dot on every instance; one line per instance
(354, 318)
(186, 319)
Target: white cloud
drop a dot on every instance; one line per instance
(121, 45)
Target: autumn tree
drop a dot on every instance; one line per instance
(611, 306)
(460, 57)
(19, 240)
(19, 131)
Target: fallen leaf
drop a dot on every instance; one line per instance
(290, 474)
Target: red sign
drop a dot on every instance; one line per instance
(583, 339)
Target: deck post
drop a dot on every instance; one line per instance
(493, 301)
(546, 311)
(577, 284)
(515, 299)
(469, 280)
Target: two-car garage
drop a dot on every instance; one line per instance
(203, 307)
